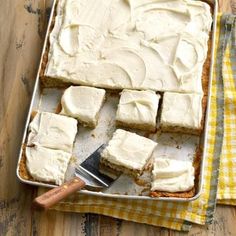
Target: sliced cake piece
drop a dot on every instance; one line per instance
(172, 176)
(49, 147)
(138, 109)
(181, 113)
(47, 165)
(126, 153)
(83, 103)
(52, 131)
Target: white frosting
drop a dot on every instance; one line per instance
(182, 110)
(138, 107)
(83, 103)
(172, 175)
(46, 164)
(128, 150)
(135, 44)
(52, 131)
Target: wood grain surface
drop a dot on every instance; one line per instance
(23, 24)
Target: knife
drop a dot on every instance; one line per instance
(86, 174)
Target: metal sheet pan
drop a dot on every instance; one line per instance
(177, 146)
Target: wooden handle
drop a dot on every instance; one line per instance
(55, 195)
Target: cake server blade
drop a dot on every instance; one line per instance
(91, 167)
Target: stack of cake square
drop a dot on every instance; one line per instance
(49, 146)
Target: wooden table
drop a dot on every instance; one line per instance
(23, 24)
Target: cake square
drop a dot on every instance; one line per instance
(47, 165)
(52, 131)
(126, 153)
(83, 103)
(173, 176)
(138, 109)
(181, 113)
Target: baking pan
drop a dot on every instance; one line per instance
(179, 146)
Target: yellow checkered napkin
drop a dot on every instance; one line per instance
(177, 215)
(227, 176)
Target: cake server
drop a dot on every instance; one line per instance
(86, 174)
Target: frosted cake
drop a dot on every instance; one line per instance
(138, 109)
(47, 165)
(169, 175)
(83, 103)
(157, 45)
(135, 45)
(52, 131)
(49, 148)
(181, 113)
(126, 153)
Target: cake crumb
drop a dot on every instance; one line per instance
(58, 108)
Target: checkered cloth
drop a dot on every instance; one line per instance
(227, 176)
(177, 215)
